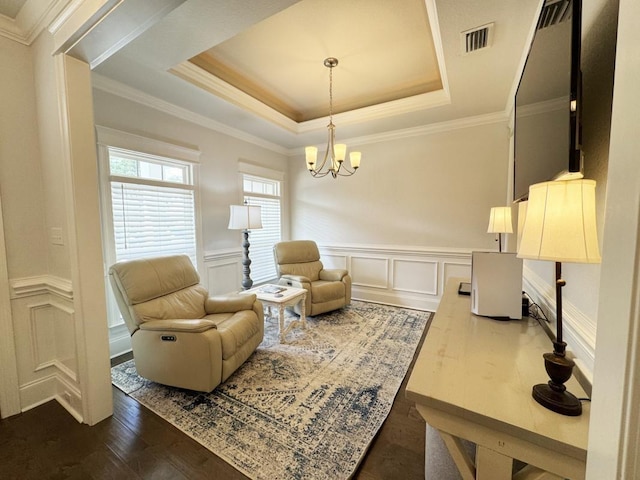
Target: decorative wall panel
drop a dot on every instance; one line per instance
(415, 276)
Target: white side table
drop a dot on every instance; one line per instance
(288, 296)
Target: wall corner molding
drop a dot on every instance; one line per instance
(41, 285)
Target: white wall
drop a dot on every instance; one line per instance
(432, 191)
(20, 172)
(423, 199)
(581, 294)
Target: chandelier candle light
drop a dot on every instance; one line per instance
(560, 226)
(335, 153)
(245, 217)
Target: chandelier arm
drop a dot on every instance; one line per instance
(349, 171)
(318, 174)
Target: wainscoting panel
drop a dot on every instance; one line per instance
(404, 276)
(415, 276)
(453, 269)
(43, 348)
(44, 330)
(222, 271)
(371, 272)
(119, 340)
(335, 261)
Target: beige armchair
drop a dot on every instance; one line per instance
(181, 336)
(298, 264)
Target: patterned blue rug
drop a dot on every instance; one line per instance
(307, 409)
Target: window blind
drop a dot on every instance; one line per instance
(262, 240)
(151, 220)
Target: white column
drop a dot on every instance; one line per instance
(613, 436)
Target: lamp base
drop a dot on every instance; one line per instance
(559, 401)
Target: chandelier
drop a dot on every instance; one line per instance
(335, 154)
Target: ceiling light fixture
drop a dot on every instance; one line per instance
(335, 153)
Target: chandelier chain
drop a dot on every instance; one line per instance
(331, 94)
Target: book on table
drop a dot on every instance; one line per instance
(272, 289)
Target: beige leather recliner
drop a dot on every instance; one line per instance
(298, 264)
(180, 335)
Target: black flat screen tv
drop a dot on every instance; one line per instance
(547, 136)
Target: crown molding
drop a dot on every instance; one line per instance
(212, 84)
(430, 129)
(108, 85)
(33, 18)
(205, 80)
(116, 88)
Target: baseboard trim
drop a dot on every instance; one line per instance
(52, 387)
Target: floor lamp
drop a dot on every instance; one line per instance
(560, 226)
(500, 222)
(245, 218)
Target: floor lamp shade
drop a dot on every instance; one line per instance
(560, 223)
(245, 217)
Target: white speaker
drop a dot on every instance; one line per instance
(496, 285)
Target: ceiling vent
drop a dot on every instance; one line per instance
(477, 38)
(554, 12)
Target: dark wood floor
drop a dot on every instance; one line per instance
(48, 443)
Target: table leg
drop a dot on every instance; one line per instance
(281, 322)
(491, 465)
(303, 314)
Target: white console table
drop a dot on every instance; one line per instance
(472, 380)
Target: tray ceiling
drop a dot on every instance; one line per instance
(279, 61)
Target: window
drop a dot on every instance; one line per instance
(152, 206)
(266, 193)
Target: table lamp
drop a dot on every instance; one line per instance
(245, 217)
(500, 222)
(560, 226)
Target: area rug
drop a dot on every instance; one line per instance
(306, 409)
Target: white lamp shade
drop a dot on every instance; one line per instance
(560, 223)
(500, 220)
(311, 154)
(245, 217)
(354, 158)
(340, 151)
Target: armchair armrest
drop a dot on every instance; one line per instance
(229, 303)
(178, 325)
(297, 281)
(333, 275)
